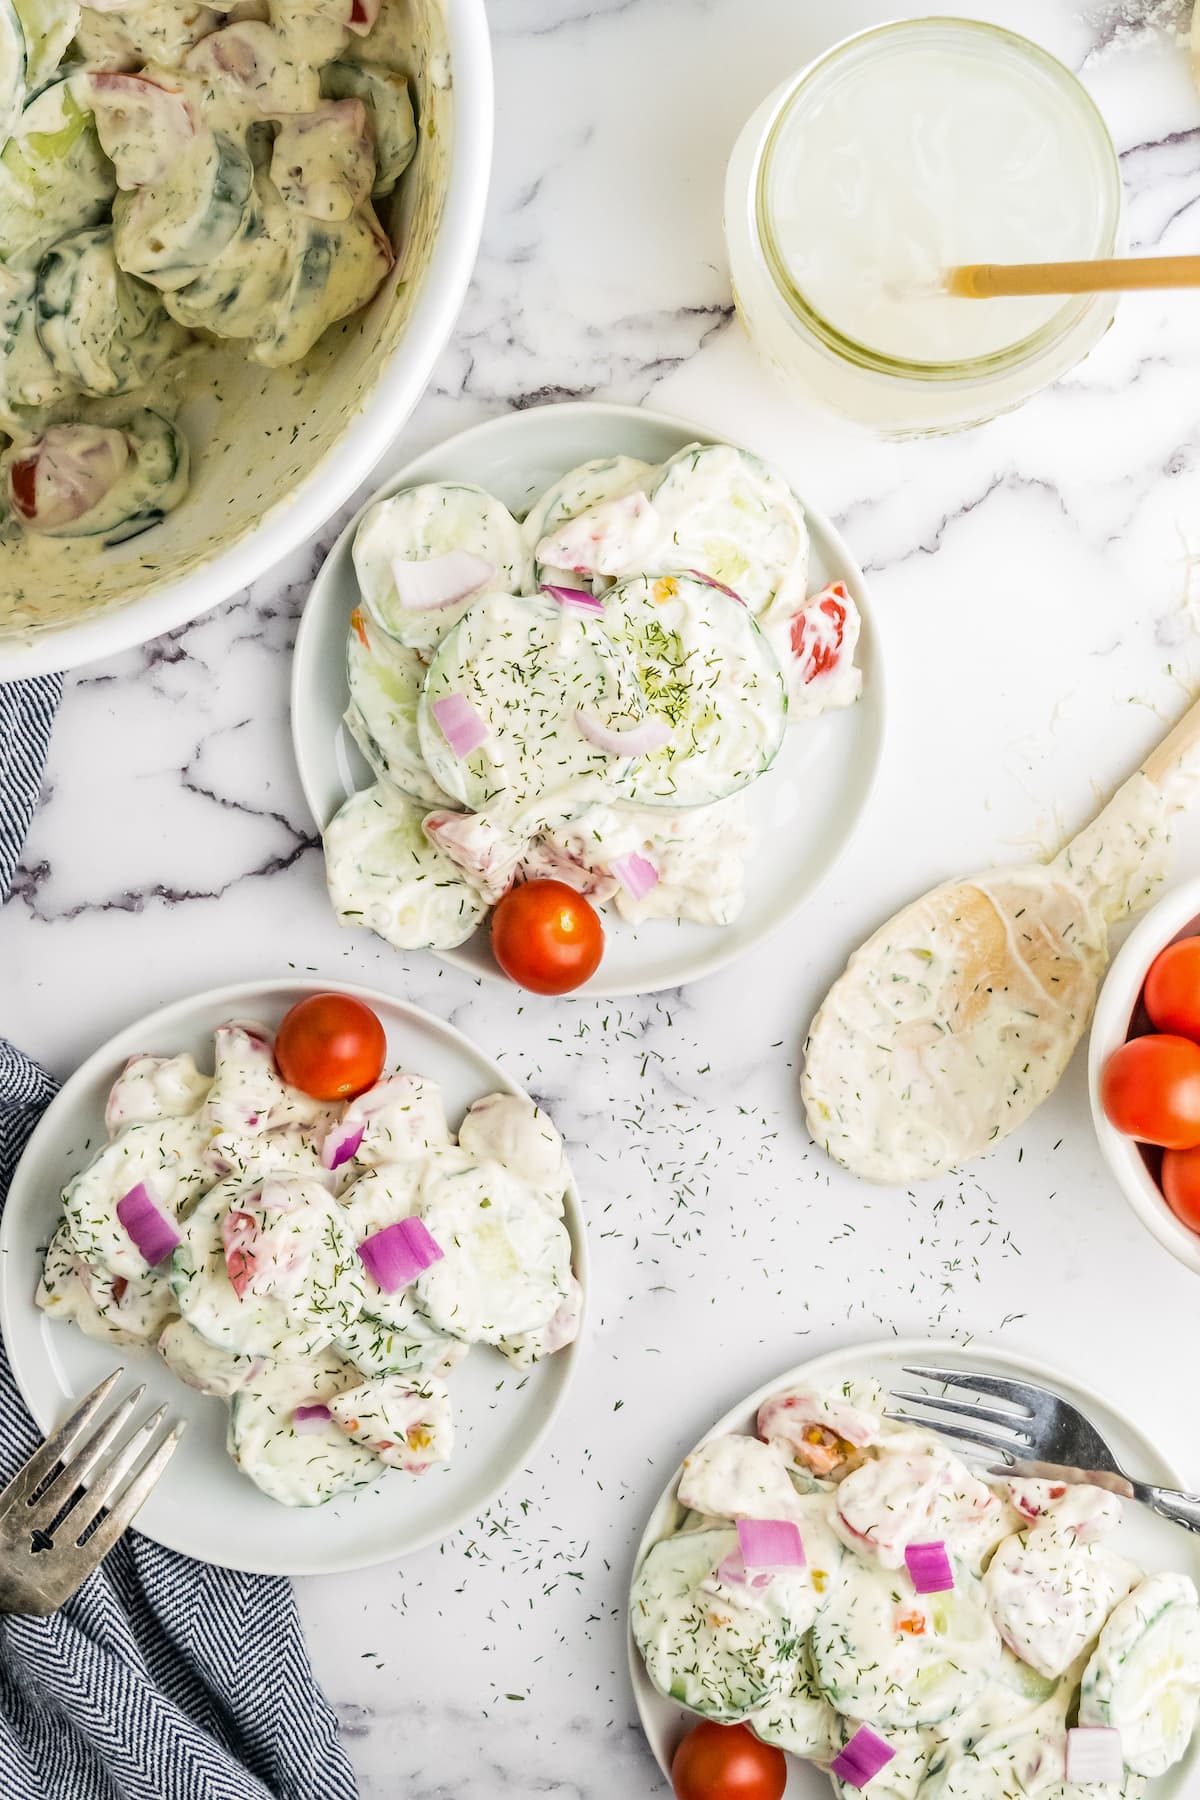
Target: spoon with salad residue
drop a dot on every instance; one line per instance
(958, 1017)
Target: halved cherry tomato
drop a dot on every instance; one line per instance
(727, 1762)
(1150, 1090)
(331, 1046)
(1180, 1180)
(546, 937)
(1172, 992)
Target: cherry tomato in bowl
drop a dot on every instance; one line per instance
(1180, 1183)
(546, 937)
(1150, 1090)
(330, 1046)
(1172, 992)
(727, 1762)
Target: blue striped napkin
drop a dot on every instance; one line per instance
(163, 1679)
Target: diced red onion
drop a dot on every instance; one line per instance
(719, 585)
(770, 1544)
(341, 1142)
(461, 724)
(1094, 1754)
(633, 740)
(363, 14)
(862, 1758)
(395, 1256)
(152, 1231)
(635, 874)
(307, 1419)
(439, 580)
(580, 598)
(930, 1567)
(732, 1571)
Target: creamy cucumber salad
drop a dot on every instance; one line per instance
(323, 1269)
(852, 1592)
(171, 174)
(584, 696)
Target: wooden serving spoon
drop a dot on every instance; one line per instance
(959, 1015)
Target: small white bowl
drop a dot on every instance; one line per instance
(276, 451)
(1177, 915)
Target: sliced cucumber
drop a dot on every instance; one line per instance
(102, 329)
(527, 666)
(54, 177)
(604, 478)
(29, 381)
(384, 874)
(12, 69)
(728, 515)
(506, 1260)
(738, 1477)
(113, 1309)
(1050, 1594)
(384, 93)
(306, 1275)
(230, 295)
(426, 522)
(706, 669)
(1143, 1679)
(802, 1722)
(48, 27)
(201, 1365)
(176, 228)
(333, 270)
(167, 1156)
(725, 1652)
(413, 1348)
(901, 1779)
(297, 1469)
(385, 679)
(876, 1665)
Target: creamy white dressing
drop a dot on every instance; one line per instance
(972, 1688)
(605, 731)
(959, 1016)
(270, 1300)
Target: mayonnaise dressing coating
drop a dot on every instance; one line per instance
(971, 1687)
(615, 696)
(270, 1301)
(958, 1017)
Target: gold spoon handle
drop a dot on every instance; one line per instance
(983, 281)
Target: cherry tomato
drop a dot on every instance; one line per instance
(1172, 992)
(1180, 1182)
(1150, 1090)
(727, 1762)
(546, 937)
(331, 1046)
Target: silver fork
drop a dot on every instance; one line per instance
(46, 1509)
(1038, 1434)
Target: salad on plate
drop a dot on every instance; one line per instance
(581, 699)
(320, 1254)
(846, 1590)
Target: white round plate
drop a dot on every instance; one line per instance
(203, 1506)
(803, 811)
(1147, 1539)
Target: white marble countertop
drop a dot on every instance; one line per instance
(1036, 581)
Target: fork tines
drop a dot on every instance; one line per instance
(75, 1497)
(1014, 1422)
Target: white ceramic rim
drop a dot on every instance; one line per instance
(1110, 1027)
(232, 998)
(977, 1356)
(720, 952)
(381, 413)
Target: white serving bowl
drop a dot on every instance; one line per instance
(1176, 915)
(274, 452)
